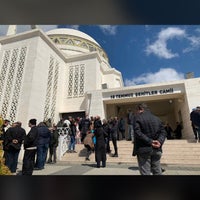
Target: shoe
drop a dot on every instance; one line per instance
(69, 151)
(115, 155)
(163, 170)
(36, 168)
(87, 159)
(73, 151)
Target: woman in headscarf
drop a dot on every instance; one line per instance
(100, 149)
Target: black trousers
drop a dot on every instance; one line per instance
(28, 162)
(52, 153)
(114, 141)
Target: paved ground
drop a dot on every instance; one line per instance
(89, 168)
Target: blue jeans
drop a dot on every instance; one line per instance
(150, 163)
(12, 160)
(42, 150)
(130, 132)
(72, 143)
(198, 132)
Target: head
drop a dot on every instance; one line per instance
(14, 124)
(104, 121)
(141, 107)
(54, 127)
(18, 124)
(32, 122)
(198, 108)
(97, 117)
(97, 124)
(69, 117)
(6, 122)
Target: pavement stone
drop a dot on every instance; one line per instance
(89, 168)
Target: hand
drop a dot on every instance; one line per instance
(156, 144)
(15, 141)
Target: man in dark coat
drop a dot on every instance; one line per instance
(13, 139)
(100, 148)
(106, 128)
(149, 135)
(130, 122)
(195, 118)
(30, 147)
(84, 126)
(121, 128)
(53, 144)
(113, 133)
(178, 130)
(44, 136)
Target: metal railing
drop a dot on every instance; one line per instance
(63, 141)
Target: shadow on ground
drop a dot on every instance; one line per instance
(133, 168)
(89, 165)
(82, 152)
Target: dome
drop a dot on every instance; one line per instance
(74, 42)
(72, 32)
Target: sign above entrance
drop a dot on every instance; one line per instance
(143, 93)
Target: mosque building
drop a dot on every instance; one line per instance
(65, 72)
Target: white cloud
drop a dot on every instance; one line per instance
(194, 42)
(108, 29)
(159, 47)
(163, 75)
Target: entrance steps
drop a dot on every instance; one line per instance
(174, 152)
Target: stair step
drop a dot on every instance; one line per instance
(174, 152)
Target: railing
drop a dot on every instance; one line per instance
(63, 141)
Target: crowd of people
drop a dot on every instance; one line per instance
(145, 130)
(36, 144)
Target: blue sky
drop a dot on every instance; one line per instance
(144, 53)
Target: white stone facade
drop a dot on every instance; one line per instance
(39, 81)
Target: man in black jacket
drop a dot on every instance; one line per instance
(149, 136)
(30, 146)
(13, 139)
(195, 118)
